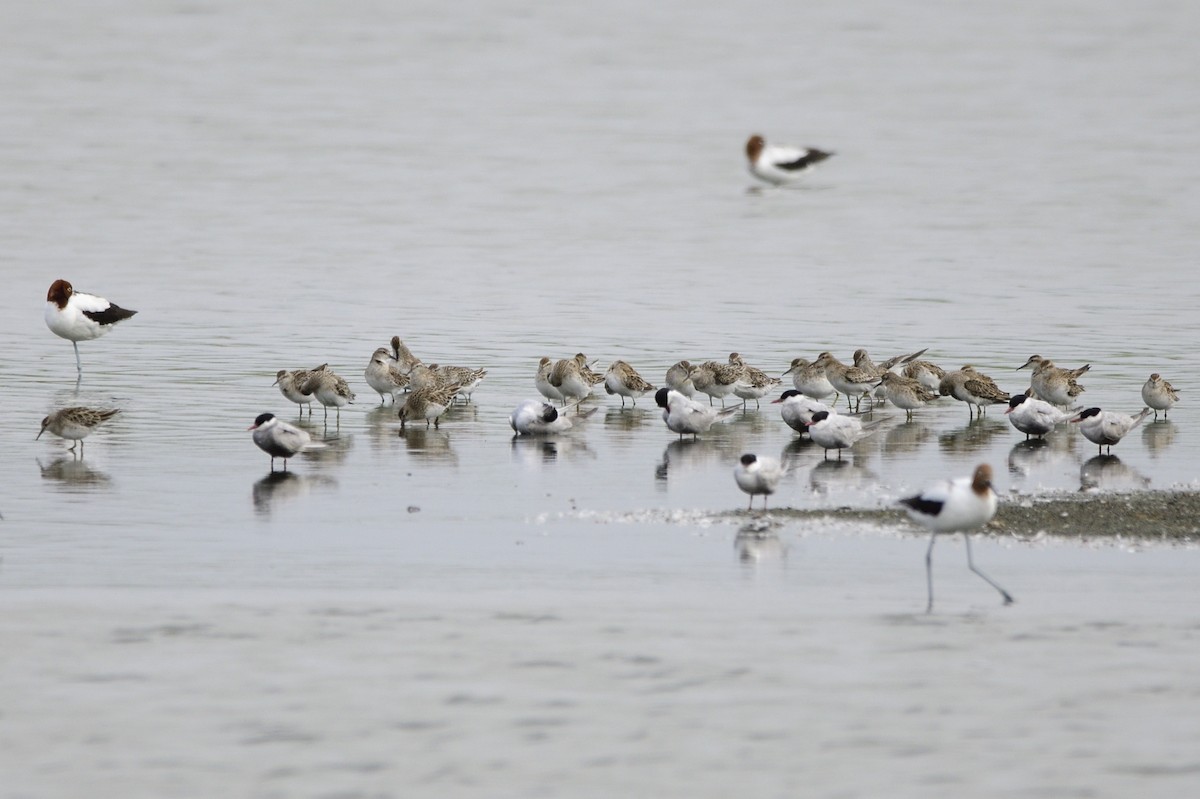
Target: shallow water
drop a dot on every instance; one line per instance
(283, 185)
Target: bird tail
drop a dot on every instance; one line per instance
(725, 414)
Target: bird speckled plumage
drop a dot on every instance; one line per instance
(717, 380)
(853, 381)
(289, 386)
(755, 383)
(905, 392)
(566, 377)
(679, 378)
(330, 389)
(382, 376)
(465, 377)
(810, 379)
(624, 381)
(403, 356)
(428, 403)
(1159, 394)
(75, 423)
(927, 374)
(1054, 384)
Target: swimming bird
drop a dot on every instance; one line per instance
(755, 383)
(905, 392)
(852, 381)
(534, 417)
(330, 389)
(289, 386)
(810, 379)
(1159, 394)
(75, 423)
(688, 417)
(428, 403)
(779, 165)
(797, 409)
(757, 474)
(623, 380)
(77, 316)
(717, 380)
(1053, 384)
(383, 377)
(279, 439)
(1105, 428)
(833, 431)
(1035, 417)
(955, 506)
(679, 378)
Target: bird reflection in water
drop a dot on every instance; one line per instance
(907, 437)
(840, 475)
(796, 450)
(535, 450)
(974, 435)
(682, 454)
(629, 418)
(1029, 455)
(381, 426)
(429, 443)
(74, 474)
(757, 542)
(1107, 473)
(337, 444)
(282, 487)
(1157, 436)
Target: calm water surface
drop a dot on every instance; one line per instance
(283, 185)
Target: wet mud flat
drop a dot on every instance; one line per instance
(1152, 515)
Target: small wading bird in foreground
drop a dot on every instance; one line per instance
(75, 424)
(758, 474)
(279, 439)
(955, 506)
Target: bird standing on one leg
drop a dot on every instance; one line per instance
(77, 316)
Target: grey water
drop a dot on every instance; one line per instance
(455, 611)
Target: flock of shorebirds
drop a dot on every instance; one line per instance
(906, 381)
